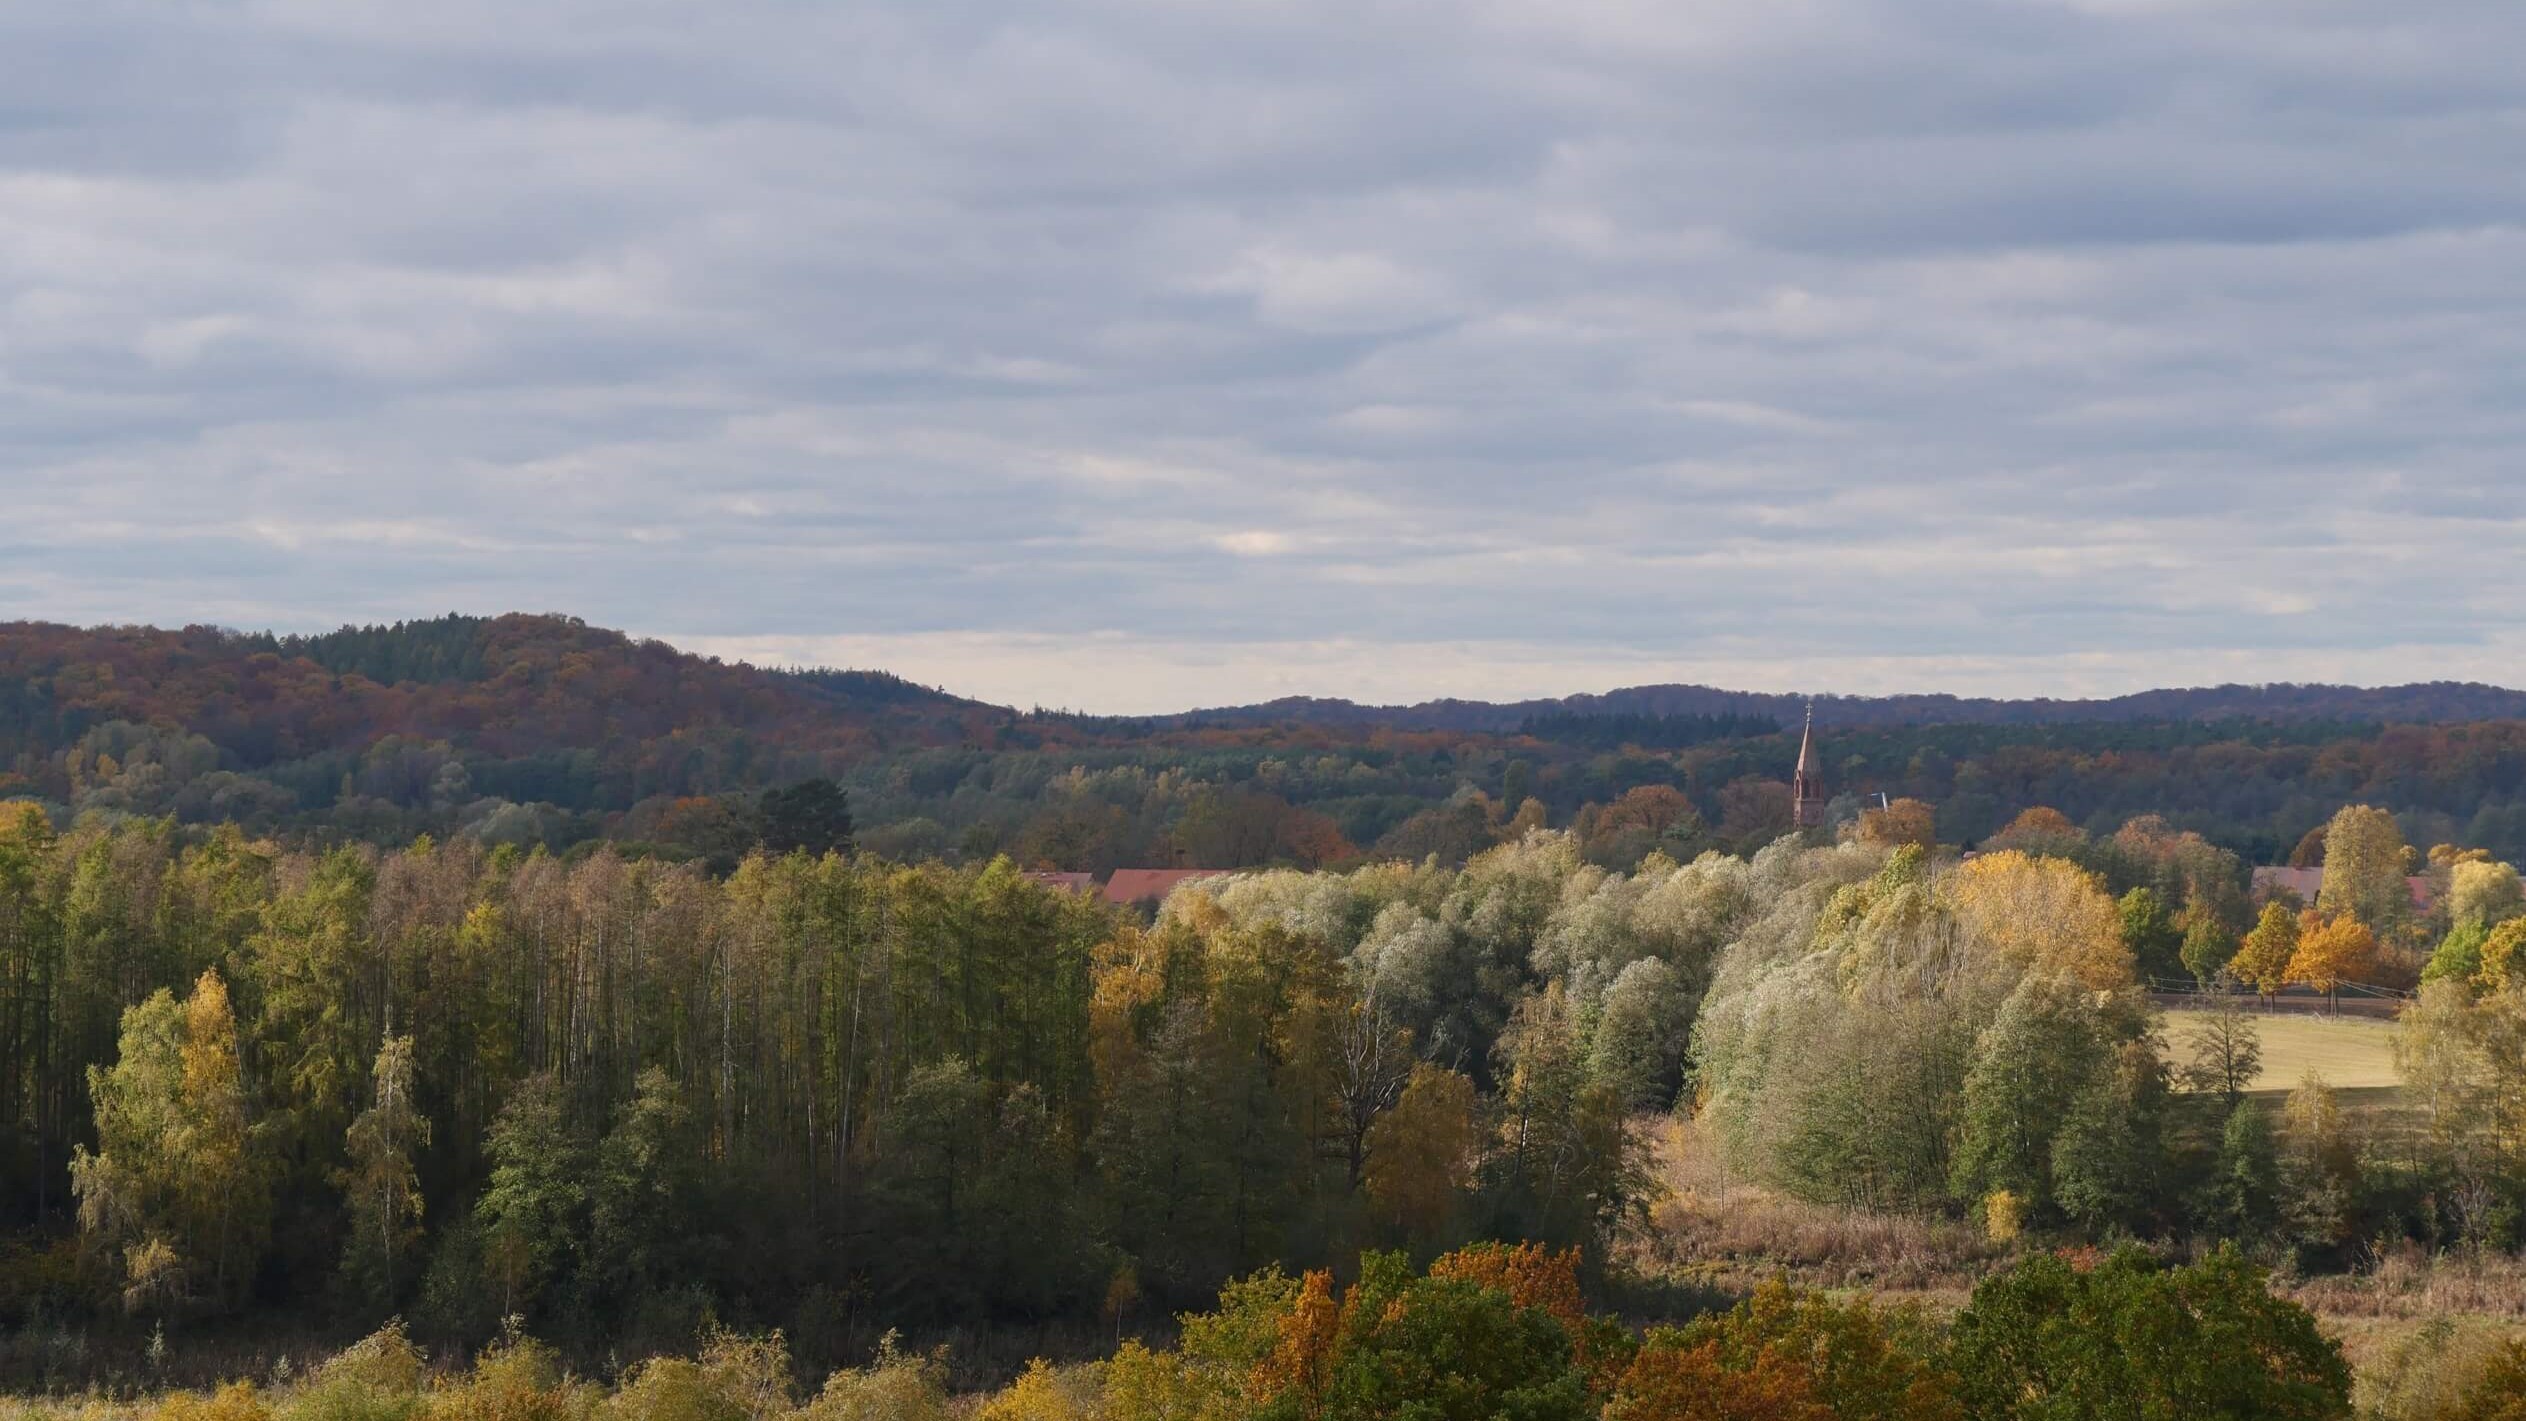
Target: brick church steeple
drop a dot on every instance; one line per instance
(1806, 792)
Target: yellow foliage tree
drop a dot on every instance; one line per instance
(2364, 869)
(1043, 1393)
(237, 1401)
(2499, 955)
(2042, 913)
(2482, 893)
(174, 1184)
(2263, 957)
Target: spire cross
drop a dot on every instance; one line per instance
(1805, 794)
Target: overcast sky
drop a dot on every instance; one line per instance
(1138, 354)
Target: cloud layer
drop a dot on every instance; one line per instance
(1133, 354)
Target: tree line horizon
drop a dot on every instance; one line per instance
(543, 731)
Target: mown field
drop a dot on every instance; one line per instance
(2354, 1055)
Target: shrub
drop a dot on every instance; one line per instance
(1861, 1362)
(1044, 1393)
(377, 1378)
(237, 1401)
(520, 1379)
(897, 1386)
(2126, 1338)
(1448, 1349)
(2499, 1394)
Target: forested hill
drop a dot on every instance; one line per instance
(543, 730)
(530, 708)
(2434, 702)
(509, 685)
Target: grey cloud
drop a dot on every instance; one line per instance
(1950, 333)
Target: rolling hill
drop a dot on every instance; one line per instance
(542, 729)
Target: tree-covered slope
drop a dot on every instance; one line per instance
(542, 729)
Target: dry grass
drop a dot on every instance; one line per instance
(1731, 1235)
(2353, 1054)
(2407, 1281)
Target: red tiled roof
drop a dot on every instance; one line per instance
(1150, 885)
(2307, 882)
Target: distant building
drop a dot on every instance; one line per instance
(1151, 885)
(2269, 882)
(1806, 791)
(1066, 882)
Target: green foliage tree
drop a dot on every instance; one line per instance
(381, 1189)
(1859, 1361)
(176, 1185)
(2150, 933)
(2129, 1338)
(642, 1196)
(1641, 1031)
(1566, 1165)
(2226, 1051)
(2110, 1169)
(812, 817)
(531, 1210)
(2319, 1167)
(2458, 957)
(2242, 1197)
(2040, 1060)
(2208, 949)
(1449, 1349)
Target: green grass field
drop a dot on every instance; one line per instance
(2355, 1055)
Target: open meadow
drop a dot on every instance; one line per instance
(2354, 1054)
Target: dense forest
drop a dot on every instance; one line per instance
(2420, 703)
(620, 1097)
(543, 732)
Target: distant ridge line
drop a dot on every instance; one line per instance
(441, 656)
(2425, 702)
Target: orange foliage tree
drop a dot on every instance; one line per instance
(2331, 951)
(1905, 821)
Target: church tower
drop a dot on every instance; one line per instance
(1806, 792)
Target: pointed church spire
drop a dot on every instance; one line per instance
(1806, 792)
